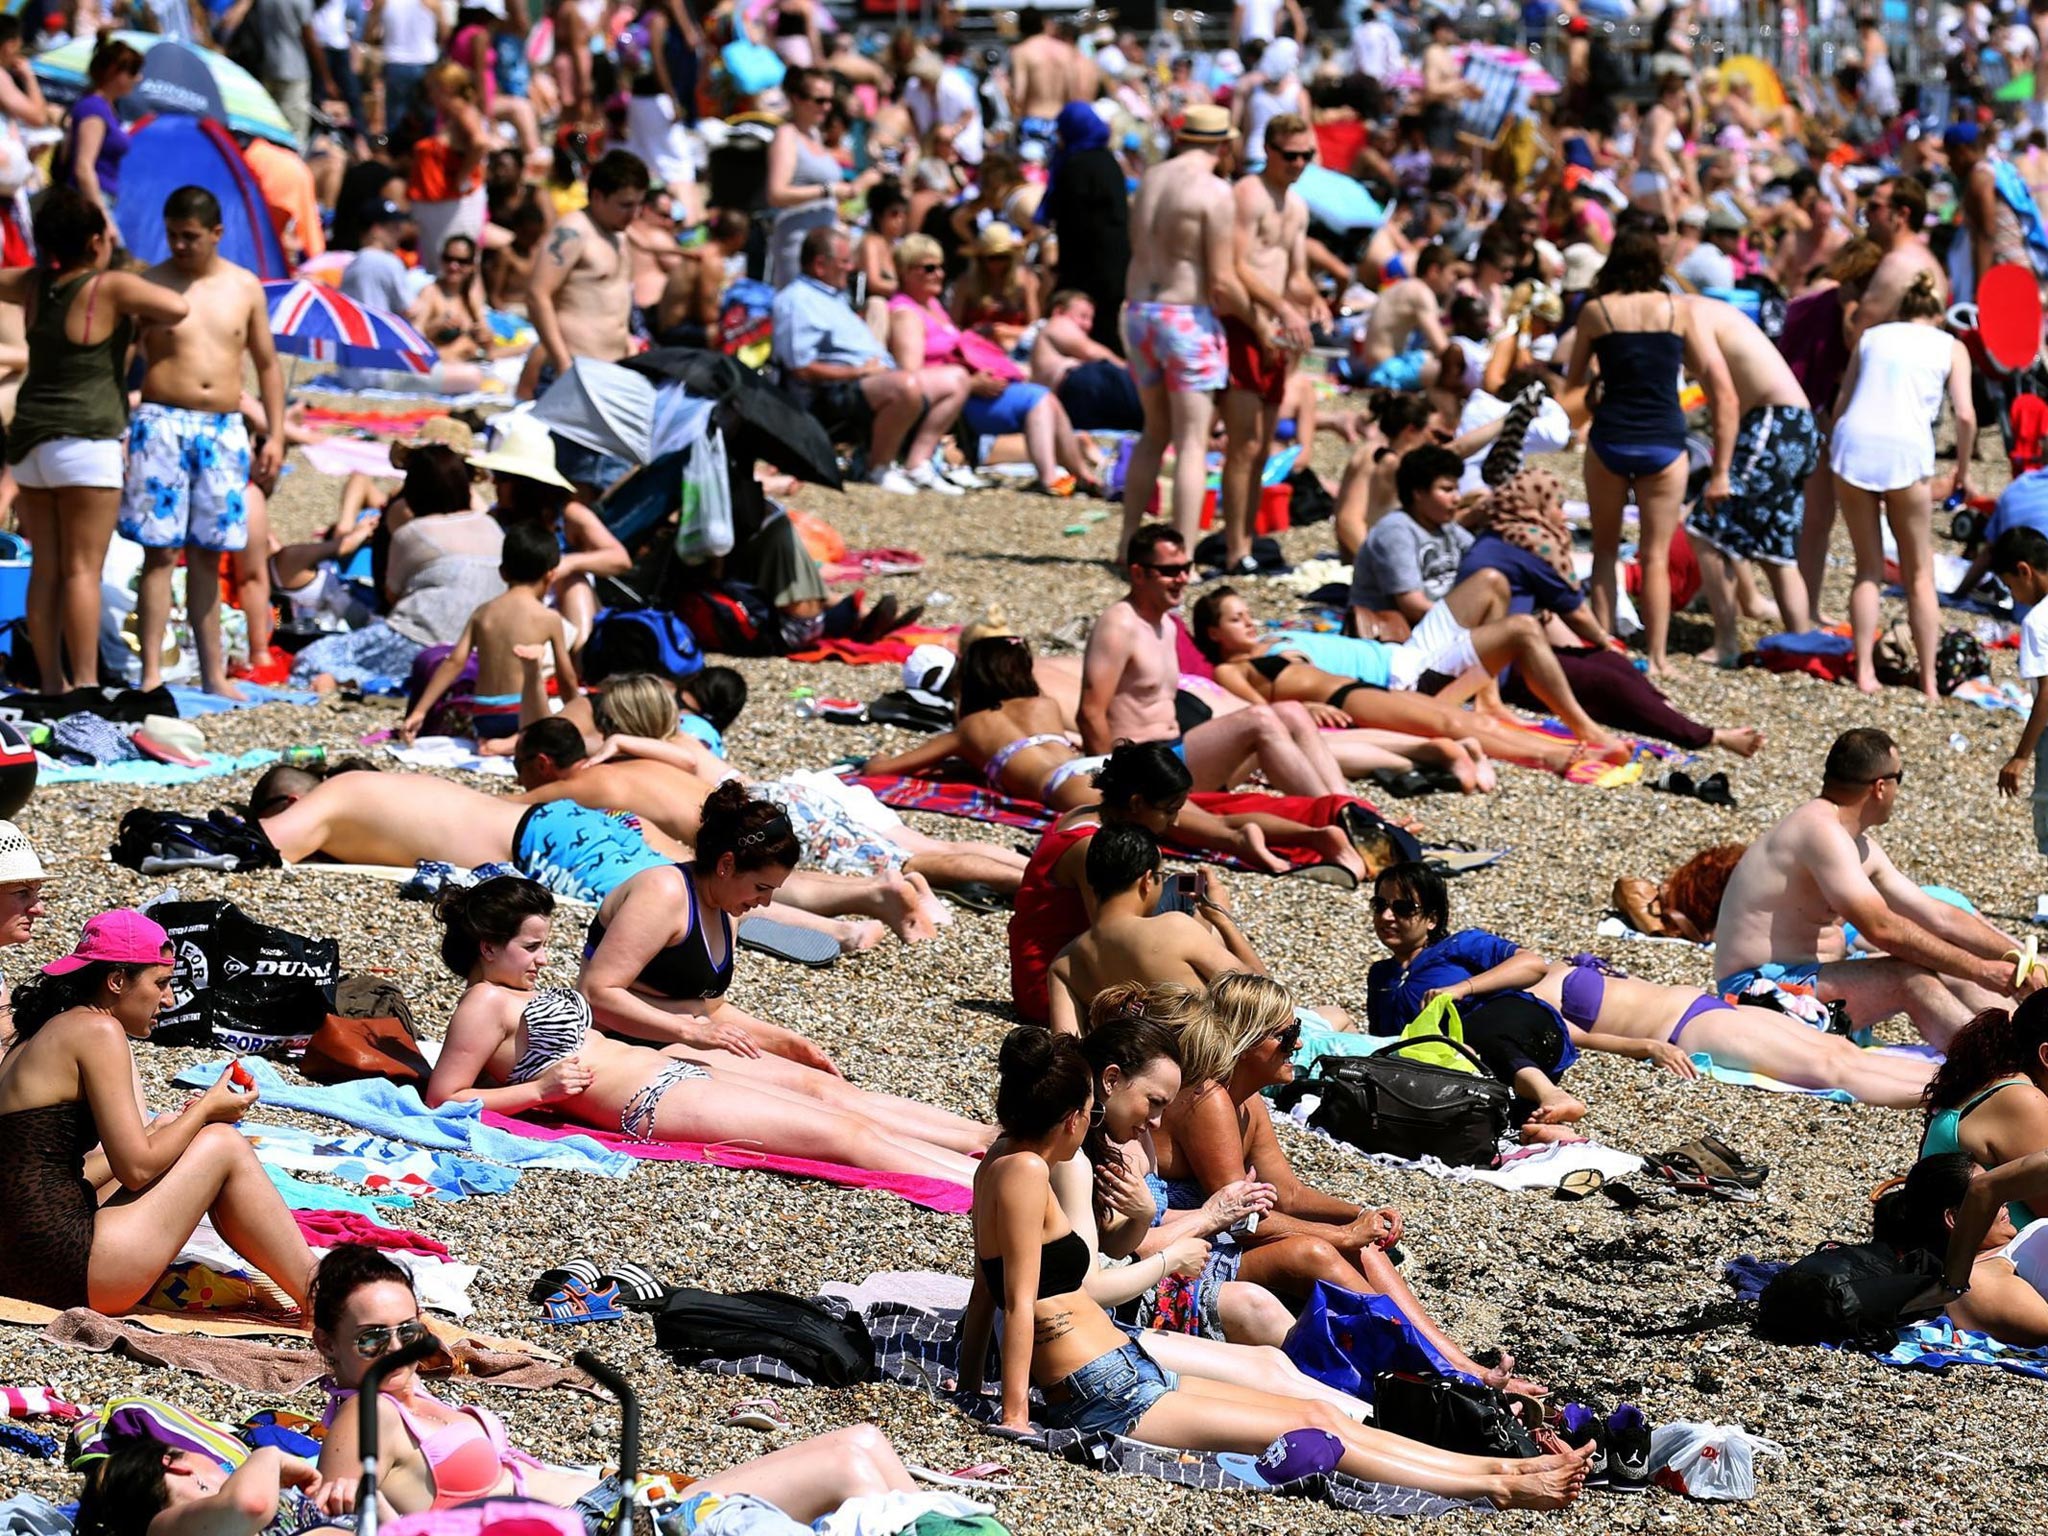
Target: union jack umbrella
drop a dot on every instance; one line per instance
(313, 320)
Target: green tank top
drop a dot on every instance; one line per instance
(1944, 1135)
(69, 390)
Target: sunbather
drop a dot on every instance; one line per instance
(2004, 1292)
(512, 1047)
(1143, 782)
(1686, 904)
(1218, 1132)
(85, 1225)
(432, 1454)
(1599, 1008)
(1030, 1263)
(1990, 1097)
(141, 1487)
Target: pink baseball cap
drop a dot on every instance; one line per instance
(123, 936)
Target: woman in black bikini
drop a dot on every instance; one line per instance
(1030, 1262)
(513, 1045)
(73, 1129)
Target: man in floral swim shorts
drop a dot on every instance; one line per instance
(1182, 229)
(189, 457)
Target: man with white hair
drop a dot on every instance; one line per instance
(1279, 93)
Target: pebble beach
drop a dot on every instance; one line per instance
(1602, 1305)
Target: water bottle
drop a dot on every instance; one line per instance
(1958, 742)
(305, 757)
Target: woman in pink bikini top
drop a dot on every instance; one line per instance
(432, 1454)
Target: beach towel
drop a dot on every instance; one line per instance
(148, 774)
(375, 1104)
(383, 1166)
(893, 649)
(332, 384)
(304, 1195)
(193, 702)
(345, 456)
(932, 1194)
(448, 752)
(918, 1348)
(330, 1229)
(1708, 1067)
(1538, 1167)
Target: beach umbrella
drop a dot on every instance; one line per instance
(766, 422)
(236, 98)
(602, 407)
(313, 320)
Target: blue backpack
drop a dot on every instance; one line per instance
(642, 640)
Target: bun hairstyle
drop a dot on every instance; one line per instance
(1921, 300)
(1994, 1044)
(1145, 771)
(1041, 1078)
(754, 832)
(489, 912)
(346, 1270)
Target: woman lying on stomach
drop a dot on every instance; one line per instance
(1030, 1263)
(513, 1047)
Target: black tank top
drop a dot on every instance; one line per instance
(1062, 1266)
(684, 970)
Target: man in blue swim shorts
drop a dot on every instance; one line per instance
(1783, 912)
(190, 462)
(1406, 335)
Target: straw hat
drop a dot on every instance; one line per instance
(1206, 125)
(998, 239)
(443, 430)
(18, 861)
(521, 446)
(992, 625)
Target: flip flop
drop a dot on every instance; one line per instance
(579, 1303)
(976, 896)
(980, 1477)
(1402, 784)
(1326, 874)
(639, 1287)
(786, 941)
(1462, 859)
(1714, 790)
(581, 1271)
(758, 1413)
(1581, 1182)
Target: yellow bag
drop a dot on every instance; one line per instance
(1427, 1037)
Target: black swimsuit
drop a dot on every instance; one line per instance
(1270, 667)
(47, 1207)
(684, 970)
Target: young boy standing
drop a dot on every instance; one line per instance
(2020, 560)
(513, 626)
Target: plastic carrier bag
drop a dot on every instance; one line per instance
(1708, 1461)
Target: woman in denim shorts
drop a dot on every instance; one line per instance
(1030, 1260)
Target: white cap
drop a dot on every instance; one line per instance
(928, 669)
(18, 861)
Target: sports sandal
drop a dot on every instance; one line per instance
(758, 1413)
(582, 1271)
(639, 1287)
(1723, 1164)
(578, 1303)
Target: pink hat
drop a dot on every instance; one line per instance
(120, 937)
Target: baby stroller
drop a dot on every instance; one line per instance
(2002, 333)
(495, 1516)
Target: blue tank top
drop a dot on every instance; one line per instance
(1639, 386)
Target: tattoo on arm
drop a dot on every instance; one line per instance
(561, 243)
(1054, 1325)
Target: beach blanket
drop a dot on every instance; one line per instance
(932, 1194)
(345, 456)
(1538, 1167)
(331, 384)
(149, 774)
(383, 1107)
(977, 802)
(1613, 927)
(394, 424)
(857, 565)
(382, 1166)
(893, 649)
(303, 1195)
(918, 1348)
(441, 1282)
(193, 702)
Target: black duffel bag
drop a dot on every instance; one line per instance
(257, 989)
(1850, 1293)
(694, 1326)
(1411, 1109)
(1451, 1414)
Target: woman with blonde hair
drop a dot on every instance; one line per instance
(999, 401)
(446, 187)
(996, 296)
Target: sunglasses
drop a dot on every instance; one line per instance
(1287, 1038)
(1401, 909)
(1294, 156)
(372, 1342)
(1897, 777)
(931, 266)
(819, 101)
(1171, 572)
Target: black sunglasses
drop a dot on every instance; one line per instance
(931, 266)
(1401, 909)
(1171, 571)
(372, 1342)
(1294, 156)
(1897, 776)
(1288, 1038)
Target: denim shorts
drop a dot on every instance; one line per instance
(1109, 1394)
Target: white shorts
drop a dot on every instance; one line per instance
(1438, 644)
(72, 463)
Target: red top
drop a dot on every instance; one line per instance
(1048, 917)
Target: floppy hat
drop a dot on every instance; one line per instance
(996, 240)
(123, 936)
(18, 861)
(1205, 125)
(521, 446)
(1582, 264)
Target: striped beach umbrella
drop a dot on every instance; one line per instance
(249, 108)
(313, 320)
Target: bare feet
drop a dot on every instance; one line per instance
(1868, 683)
(1253, 850)
(228, 688)
(858, 933)
(1743, 741)
(497, 746)
(902, 908)
(1484, 774)
(1556, 1107)
(939, 912)
(1661, 671)
(1534, 1134)
(1334, 843)
(1546, 1482)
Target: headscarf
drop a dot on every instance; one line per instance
(1081, 128)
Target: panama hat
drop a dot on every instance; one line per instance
(18, 861)
(1206, 125)
(521, 446)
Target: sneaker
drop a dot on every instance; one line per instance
(892, 479)
(929, 479)
(1628, 1450)
(961, 476)
(1579, 1424)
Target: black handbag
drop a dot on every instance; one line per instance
(1451, 1414)
(1412, 1109)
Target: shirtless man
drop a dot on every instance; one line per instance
(189, 464)
(1813, 232)
(580, 300)
(687, 315)
(1895, 213)
(1271, 245)
(1183, 269)
(575, 851)
(1994, 228)
(1130, 675)
(1444, 86)
(1045, 74)
(1094, 385)
(1777, 445)
(1411, 310)
(1785, 906)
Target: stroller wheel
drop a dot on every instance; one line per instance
(1965, 526)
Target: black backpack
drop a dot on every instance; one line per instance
(252, 987)
(1848, 1293)
(1958, 659)
(694, 1326)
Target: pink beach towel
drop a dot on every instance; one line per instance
(932, 1194)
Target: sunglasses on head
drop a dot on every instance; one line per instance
(1172, 571)
(1399, 907)
(372, 1342)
